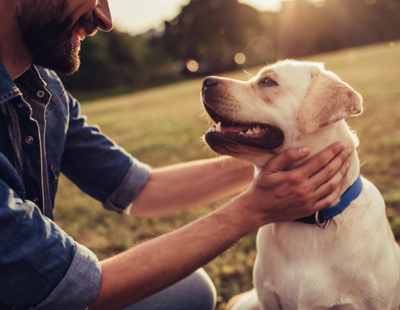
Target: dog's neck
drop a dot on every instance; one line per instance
(320, 140)
(333, 133)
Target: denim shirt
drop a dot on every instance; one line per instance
(42, 134)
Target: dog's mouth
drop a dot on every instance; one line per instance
(257, 135)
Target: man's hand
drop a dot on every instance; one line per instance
(281, 195)
(276, 195)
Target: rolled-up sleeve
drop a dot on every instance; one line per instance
(41, 267)
(98, 166)
(129, 188)
(79, 287)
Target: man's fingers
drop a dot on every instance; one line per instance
(332, 168)
(331, 186)
(320, 160)
(328, 200)
(288, 157)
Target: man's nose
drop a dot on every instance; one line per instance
(103, 16)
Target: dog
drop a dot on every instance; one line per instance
(347, 262)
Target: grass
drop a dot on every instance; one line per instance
(164, 125)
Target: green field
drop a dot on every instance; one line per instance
(164, 125)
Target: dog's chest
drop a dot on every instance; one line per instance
(307, 266)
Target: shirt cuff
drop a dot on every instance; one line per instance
(130, 187)
(79, 287)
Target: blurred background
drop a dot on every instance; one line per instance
(162, 41)
(141, 84)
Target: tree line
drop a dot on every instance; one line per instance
(223, 35)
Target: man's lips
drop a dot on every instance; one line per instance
(85, 27)
(81, 34)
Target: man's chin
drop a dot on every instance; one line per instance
(64, 64)
(68, 70)
(62, 68)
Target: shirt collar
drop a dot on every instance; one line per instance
(8, 89)
(31, 78)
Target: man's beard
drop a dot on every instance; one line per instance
(46, 34)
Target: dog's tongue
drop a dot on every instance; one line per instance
(266, 138)
(245, 131)
(234, 129)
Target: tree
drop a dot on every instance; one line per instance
(212, 32)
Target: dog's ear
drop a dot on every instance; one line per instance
(326, 101)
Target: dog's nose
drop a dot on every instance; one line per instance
(210, 81)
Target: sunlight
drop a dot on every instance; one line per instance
(264, 5)
(137, 17)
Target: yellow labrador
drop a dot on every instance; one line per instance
(344, 257)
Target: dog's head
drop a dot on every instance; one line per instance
(275, 110)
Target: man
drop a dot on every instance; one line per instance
(43, 133)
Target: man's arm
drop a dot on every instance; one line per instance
(184, 186)
(276, 195)
(41, 267)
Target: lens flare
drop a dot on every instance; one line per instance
(259, 51)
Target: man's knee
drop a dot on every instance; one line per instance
(196, 292)
(204, 295)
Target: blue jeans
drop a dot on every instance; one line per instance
(196, 292)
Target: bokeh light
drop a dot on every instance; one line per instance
(192, 65)
(240, 58)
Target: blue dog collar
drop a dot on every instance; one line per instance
(322, 217)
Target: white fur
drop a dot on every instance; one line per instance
(355, 262)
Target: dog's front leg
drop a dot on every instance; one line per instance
(270, 301)
(247, 301)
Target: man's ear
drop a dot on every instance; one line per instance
(326, 101)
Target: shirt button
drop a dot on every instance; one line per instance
(21, 105)
(35, 200)
(40, 94)
(29, 140)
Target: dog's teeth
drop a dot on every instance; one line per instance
(257, 129)
(218, 127)
(212, 129)
(249, 132)
(241, 133)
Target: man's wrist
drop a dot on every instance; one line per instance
(243, 215)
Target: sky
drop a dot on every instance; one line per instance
(138, 16)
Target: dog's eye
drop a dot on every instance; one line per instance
(268, 82)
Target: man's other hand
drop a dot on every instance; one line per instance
(280, 195)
